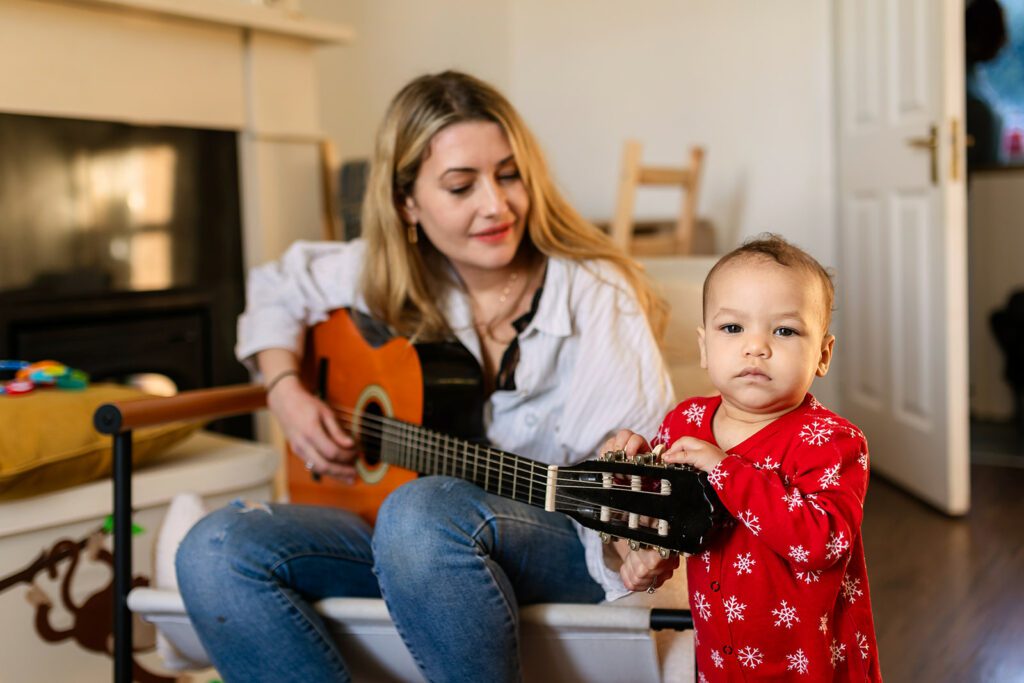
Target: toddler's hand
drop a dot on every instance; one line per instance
(692, 451)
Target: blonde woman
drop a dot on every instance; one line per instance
(465, 239)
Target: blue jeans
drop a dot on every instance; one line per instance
(451, 561)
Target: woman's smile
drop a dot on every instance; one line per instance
(496, 233)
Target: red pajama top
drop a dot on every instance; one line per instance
(782, 592)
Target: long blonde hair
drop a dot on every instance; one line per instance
(403, 281)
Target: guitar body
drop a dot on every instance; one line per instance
(358, 369)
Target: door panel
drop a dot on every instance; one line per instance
(902, 285)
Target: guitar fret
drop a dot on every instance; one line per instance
(487, 471)
(530, 499)
(515, 476)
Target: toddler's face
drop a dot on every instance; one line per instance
(764, 336)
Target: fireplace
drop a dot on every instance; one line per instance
(121, 250)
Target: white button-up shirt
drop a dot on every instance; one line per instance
(589, 363)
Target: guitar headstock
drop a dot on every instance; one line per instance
(641, 498)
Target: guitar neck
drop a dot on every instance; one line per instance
(505, 474)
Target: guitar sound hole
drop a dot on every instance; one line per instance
(371, 429)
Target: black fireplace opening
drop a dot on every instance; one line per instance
(121, 251)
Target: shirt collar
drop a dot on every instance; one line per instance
(553, 315)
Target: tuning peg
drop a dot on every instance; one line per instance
(613, 456)
(606, 538)
(634, 545)
(665, 553)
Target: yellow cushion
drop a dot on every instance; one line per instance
(48, 442)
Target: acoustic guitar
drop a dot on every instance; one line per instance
(417, 408)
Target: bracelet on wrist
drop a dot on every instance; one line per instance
(278, 377)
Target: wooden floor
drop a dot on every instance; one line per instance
(948, 594)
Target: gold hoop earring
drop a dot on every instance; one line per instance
(413, 234)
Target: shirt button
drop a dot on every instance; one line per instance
(715, 586)
(727, 649)
(531, 419)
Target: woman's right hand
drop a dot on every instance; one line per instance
(312, 430)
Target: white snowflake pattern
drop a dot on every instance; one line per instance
(823, 623)
(701, 678)
(812, 500)
(706, 556)
(850, 588)
(716, 657)
(752, 521)
(663, 436)
(815, 405)
(750, 657)
(716, 477)
(797, 662)
(830, 477)
(836, 546)
(734, 609)
(817, 433)
(694, 414)
(810, 576)
(786, 614)
(862, 643)
(696, 638)
(767, 464)
(798, 553)
(744, 564)
(838, 652)
(863, 460)
(793, 499)
(702, 605)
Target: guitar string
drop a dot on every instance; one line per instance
(426, 442)
(431, 442)
(568, 503)
(441, 444)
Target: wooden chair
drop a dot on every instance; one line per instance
(660, 238)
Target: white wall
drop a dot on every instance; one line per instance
(750, 81)
(397, 40)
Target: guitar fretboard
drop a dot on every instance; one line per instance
(505, 474)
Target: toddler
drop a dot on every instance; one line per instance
(782, 592)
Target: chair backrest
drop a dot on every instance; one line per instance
(678, 240)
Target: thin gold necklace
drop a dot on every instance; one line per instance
(487, 328)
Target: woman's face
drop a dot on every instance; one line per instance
(469, 198)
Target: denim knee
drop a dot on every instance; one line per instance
(216, 546)
(425, 518)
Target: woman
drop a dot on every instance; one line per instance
(466, 238)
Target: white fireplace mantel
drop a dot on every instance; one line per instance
(219, 64)
(238, 13)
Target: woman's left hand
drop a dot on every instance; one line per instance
(692, 451)
(644, 569)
